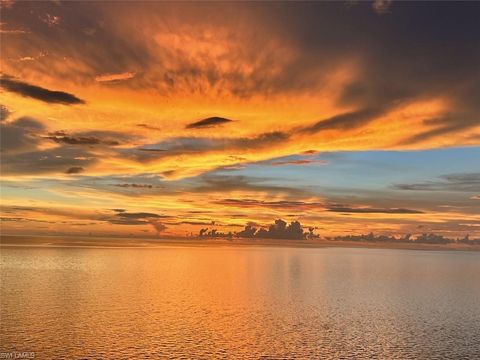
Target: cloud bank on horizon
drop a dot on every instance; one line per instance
(333, 113)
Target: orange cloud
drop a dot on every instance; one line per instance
(115, 77)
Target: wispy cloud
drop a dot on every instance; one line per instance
(369, 210)
(115, 77)
(466, 182)
(300, 162)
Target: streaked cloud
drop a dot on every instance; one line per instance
(300, 162)
(115, 77)
(369, 210)
(109, 138)
(466, 182)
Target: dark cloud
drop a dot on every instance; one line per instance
(344, 121)
(37, 92)
(139, 215)
(149, 127)
(22, 219)
(135, 218)
(135, 186)
(75, 170)
(191, 222)
(20, 134)
(387, 75)
(208, 123)
(28, 123)
(21, 152)
(282, 204)
(4, 112)
(315, 37)
(107, 138)
(465, 182)
(299, 162)
(54, 160)
(151, 150)
(369, 210)
(305, 205)
(158, 226)
(443, 126)
(119, 216)
(75, 140)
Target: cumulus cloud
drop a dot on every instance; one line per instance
(278, 230)
(36, 92)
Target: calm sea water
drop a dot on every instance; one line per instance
(240, 303)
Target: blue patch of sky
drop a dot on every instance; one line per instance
(369, 170)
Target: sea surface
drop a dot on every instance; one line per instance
(245, 302)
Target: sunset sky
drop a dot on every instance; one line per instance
(148, 118)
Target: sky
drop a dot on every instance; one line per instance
(160, 119)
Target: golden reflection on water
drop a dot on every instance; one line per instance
(239, 302)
